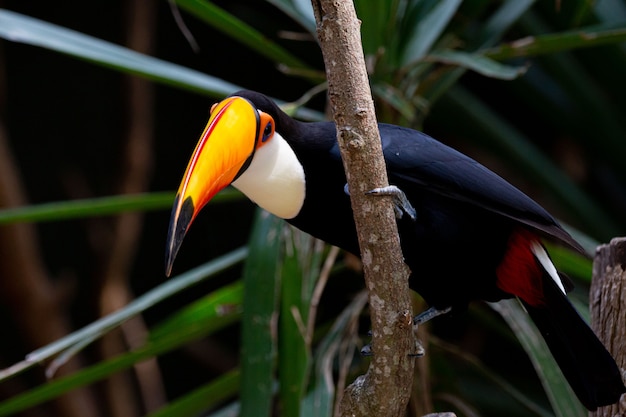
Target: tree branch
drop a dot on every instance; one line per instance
(386, 388)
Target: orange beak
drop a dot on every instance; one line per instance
(223, 152)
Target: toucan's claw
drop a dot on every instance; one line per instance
(429, 314)
(419, 350)
(401, 203)
(366, 350)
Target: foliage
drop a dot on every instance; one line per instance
(528, 87)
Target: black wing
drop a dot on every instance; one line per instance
(416, 158)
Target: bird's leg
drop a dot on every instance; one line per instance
(420, 319)
(366, 350)
(429, 314)
(419, 349)
(401, 203)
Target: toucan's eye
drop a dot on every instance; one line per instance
(267, 132)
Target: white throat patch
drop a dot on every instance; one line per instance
(275, 179)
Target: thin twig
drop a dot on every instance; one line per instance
(317, 292)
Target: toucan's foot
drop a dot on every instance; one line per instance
(429, 314)
(401, 204)
(367, 349)
(419, 349)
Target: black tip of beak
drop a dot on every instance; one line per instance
(179, 223)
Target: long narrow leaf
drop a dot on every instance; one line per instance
(319, 401)
(562, 398)
(102, 206)
(239, 30)
(557, 42)
(495, 27)
(478, 63)
(164, 342)
(140, 304)
(23, 29)
(425, 28)
(225, 301)
(300, 269)
(203, 398)
(89, 207)
(493, 30)
(260, 311)
(16, 27)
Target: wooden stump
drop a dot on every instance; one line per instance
(607, 301)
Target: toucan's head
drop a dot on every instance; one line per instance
(239, 146)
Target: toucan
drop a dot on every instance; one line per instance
(466, 233)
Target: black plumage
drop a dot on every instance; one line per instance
(466, 215)
(475, 236)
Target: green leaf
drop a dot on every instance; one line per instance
(230, 410)
(227, 301)
(334, 346)
(395, 98)
(492, 30)
(23, 29)
(477, 63)
(240, 31)
(260, 313)
(99, 327)
(558, 42)
(160, 342)
(498, 23)
(425, 22)
(102, 206)
(379, 20)
(89, 207)
(300, 270)
(203, 398)
(562, 398)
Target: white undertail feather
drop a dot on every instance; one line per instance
(275, 179)
(541, 254)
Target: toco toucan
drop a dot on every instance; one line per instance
(472, 236)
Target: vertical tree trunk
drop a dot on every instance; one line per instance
(607, 300)
(386, 388)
